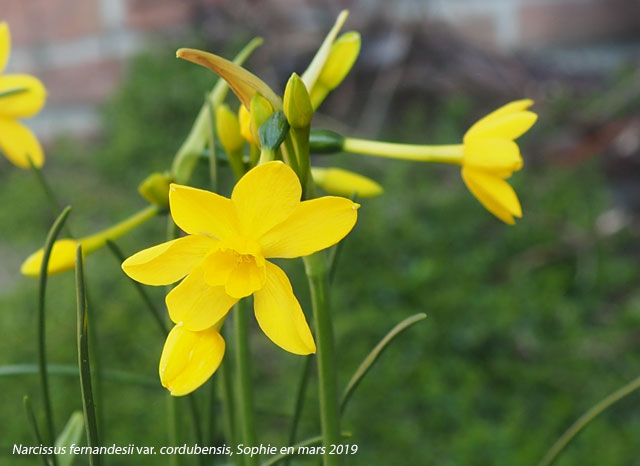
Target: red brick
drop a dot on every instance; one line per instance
(578, 21)
(81, 84)
(37, 21)
(158, 14)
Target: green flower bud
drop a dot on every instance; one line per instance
(297, 104)
(155, 189)
(261, 110)
(343, 55)
(228, 128)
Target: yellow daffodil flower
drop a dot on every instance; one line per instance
(223, 259)
(488, 155)
(21, 96)
(491, 156)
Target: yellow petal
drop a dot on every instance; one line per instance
(63, 258)
(345, 183)
(25, 103)
(245, 124)
(314, 225)
(196, 304)
(509, 126)
(189, 359)
(493, 155)
(18, 144)
(168, 262)
(280, 316)
(246, 278)
(265, 196)
(495, 194)
(5, 45)
(510, 108)
(243, 83)
(201, 212)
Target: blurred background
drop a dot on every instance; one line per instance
(528, 326)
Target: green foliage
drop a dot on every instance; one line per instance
(528, 325)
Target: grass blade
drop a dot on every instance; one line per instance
(70, 435)
(375, 353)
(84, 365)
(34, 428)
(117, 252)
(302, 390)
(310, 442)
(42, 289)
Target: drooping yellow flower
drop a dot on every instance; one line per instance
(223, 258)
(491, 156)
(488, 155)
(21, 96)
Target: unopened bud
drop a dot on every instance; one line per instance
(228, 128)
(261, 110)
(297, 104)
(155, 189)
(345, 183)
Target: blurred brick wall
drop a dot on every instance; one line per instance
(77, 47)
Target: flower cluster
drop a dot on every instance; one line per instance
(21, 96)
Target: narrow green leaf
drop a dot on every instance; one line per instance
(84, 364)
(155, 313)
(34, 429)
(375, 353)
(72, 371)
(302, 390)
(70, 435)
(41, 322)
(310, 442)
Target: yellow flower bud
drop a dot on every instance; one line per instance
(297, 104)
(244, 118)
(343, 54)
(261, 110)
(344, 182)
(228, 128)
(155, 189)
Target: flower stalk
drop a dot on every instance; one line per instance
(317, 276)
(451, 153)
(243, 381)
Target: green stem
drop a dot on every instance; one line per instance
(51, 197)
(226, 393)
(327, 378)
(266, 155)
(193, 406)
(452, 154)
(213, 161)
(237, 165)
(587, 417)
(84, 364)
(42, 356)
(243, 381)
(97, 240)
(300, 137)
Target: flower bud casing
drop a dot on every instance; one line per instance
(297, 104)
